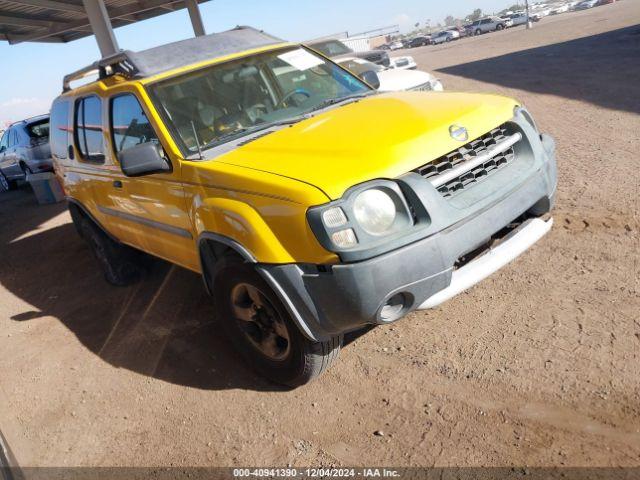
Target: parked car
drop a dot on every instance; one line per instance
(587, 4)
(508, 22)
(519, 18)
(24, 149)
(454, 33)
(403, 63)
(442, 37)
(419, 41)
(485, 25)
(310, 204)
(335, 49)
(559, 9)
(393, 80)
(462, 31)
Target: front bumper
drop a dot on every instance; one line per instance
(334, 299)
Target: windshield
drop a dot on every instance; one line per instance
(231, 99)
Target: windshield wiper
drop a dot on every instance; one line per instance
(334, 101)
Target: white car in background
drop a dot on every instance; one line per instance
(403, 63)
(392, 79)
(518, 18)
(559, 9)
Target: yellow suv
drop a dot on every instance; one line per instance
(311, 205)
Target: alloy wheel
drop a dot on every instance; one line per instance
(260, 322)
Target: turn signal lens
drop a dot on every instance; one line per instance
(334, 217)
(344, 238)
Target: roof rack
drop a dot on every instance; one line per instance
(119, 63)
(174, 55)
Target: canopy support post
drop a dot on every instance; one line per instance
(196, 18)
(101, 26)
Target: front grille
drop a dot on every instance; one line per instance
(425, 87)
(478, 155)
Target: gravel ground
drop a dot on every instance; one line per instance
(537, 366)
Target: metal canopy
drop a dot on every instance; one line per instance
(67, 20)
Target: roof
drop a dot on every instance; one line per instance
(66, 20)
(153, 61)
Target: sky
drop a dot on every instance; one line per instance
(31, 73)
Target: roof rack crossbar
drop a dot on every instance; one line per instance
(118, 63)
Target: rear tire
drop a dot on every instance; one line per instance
(500, 27)
(119, 262)
(266, 336)
(478, 32)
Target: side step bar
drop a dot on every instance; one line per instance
(477, 270)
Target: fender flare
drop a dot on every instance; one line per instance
(243, 252)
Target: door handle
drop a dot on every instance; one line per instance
(70, 150)
(117, 184)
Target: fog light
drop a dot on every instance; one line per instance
(344, 238)
(393, 309)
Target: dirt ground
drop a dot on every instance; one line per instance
(538, 366)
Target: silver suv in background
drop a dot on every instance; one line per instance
(336, 50)
(485, 25)
(24, 149)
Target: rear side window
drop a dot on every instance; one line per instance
(13, 138)
(129, 124)
(88, 128)
(59, 130)
(38, 129)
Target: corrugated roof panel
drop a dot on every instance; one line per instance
(65, 20)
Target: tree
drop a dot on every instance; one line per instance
(476, 15)
(449, 20)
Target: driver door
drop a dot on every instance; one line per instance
(151, 209)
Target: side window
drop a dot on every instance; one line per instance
(12, 138)
(4, 142)
(88, 129)
(129, 124)
(59, 129)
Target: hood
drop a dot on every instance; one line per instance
(383, 136)
(397, 80)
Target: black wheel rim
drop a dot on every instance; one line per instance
(260, 323)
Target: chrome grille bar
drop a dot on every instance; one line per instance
(483, 157)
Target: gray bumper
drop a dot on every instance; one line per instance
(330, 300)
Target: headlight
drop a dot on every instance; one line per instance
(524, 113)
(375, 211)
(370, 217)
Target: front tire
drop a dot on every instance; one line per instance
(478, 32)
(262, 330)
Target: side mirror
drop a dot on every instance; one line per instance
(371, 78)
(143, 159)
